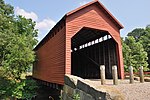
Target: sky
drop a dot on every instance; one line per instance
(46, 13)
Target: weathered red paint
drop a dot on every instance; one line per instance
(54, 54)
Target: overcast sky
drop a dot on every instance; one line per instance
(130, 13)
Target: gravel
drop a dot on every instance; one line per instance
(136, 91)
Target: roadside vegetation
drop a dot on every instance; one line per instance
(17, 40)
(136, 49)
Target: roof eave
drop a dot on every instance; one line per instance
(40, 43)
(120, 26)
(81, 7)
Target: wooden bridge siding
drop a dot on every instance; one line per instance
(92, 17)
(51, 63)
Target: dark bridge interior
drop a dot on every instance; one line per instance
(90, 49)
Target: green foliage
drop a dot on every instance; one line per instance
(18, 58)
(26, 89)
(17, 40)
(1, 71)
(23, 89)
(143, 36)
(5, 88)
(126, 55)
(145, 40)
(60, 97)
(137, 33)
(76, 97)
(134, 54)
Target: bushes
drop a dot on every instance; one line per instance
(24, 89)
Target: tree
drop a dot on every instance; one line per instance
(137, 33)
(148, 26)
(17, 50)
(143, 36)
(145, 41)
(134, 54)
(127, 57)
(17, 40)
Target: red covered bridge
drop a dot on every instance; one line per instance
(78, 44)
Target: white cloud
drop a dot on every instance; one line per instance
(26, 14)
(83, 3)
(45, 24)
(44, 27)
